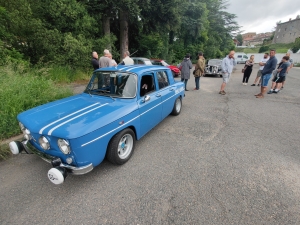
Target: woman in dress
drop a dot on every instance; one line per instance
(248, 69)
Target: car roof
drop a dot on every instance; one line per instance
(157, 60)
(137, 69)
(142, 58)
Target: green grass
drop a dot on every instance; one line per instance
(280, 48)
(25, 88)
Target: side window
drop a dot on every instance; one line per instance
(246, 57)
(162, 79)
(147, 84)
(140, 62)
(239, 56)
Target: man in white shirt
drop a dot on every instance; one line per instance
(262, 64)
(127, 60)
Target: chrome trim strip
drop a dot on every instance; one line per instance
(48, 158)
(59, 125)
(131, 119)
(40, 132)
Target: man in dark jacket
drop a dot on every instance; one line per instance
(95, 62)
(267, 73)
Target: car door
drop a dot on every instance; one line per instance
(166, 91)
(150, 106)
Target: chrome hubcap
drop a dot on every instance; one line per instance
(125, 146)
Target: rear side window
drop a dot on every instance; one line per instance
(162, 78)
(246, 57)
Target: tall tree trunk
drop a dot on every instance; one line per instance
(123, 33)
(106, 29)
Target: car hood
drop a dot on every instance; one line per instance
(75, 116)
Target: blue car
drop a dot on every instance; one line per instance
(119, 106)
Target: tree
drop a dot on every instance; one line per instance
(239, 37)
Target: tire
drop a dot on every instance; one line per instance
(121, 146)
(177, 107)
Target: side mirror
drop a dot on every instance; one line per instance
(146, 98)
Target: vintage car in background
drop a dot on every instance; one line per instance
(214, 67)
(161, 62)
(141, 61)
(119, 106)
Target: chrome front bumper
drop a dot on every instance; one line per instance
(48, 158)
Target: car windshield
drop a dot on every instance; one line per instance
(112, 84)
(214, 62)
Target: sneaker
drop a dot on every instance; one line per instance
(258, 85)
(252, 84)
(276, 91)
(223, 93)
(246, 84)
(270, 92)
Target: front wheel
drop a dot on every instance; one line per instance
(121, 146)
(177, 107)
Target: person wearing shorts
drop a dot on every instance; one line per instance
(267, 73)
(262, 64)
(280, 77)
(227, 66)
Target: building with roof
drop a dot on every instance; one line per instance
(288, 31)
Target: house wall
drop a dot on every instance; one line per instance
(287, 32)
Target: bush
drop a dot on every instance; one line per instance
(263, 48)
(22, 91)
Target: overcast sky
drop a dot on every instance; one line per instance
(260, 16)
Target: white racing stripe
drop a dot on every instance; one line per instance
(41, 130)
(130, 120)
(59, 125)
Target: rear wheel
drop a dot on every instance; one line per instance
(177, 107)
(121, 147)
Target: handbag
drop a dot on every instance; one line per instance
(194, 72)
(243, 70)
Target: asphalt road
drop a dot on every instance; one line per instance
(230, 159)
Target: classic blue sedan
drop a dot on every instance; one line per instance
(119, 106)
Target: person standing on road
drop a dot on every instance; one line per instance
(127, 60)
(262, 64)
(105, 61)
(266, 73)
(95, 62)
(227, 66)
(248, 69)
(199, 70)
(185, 66)
(281, 73)
(291, 61)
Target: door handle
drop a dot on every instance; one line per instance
(158, 95)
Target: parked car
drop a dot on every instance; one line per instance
(214, 67)
(161, 62)
(141, 61)
(240, 57)
(119, 106)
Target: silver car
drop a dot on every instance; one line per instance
(214, 67)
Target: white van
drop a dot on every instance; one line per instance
(240, 57)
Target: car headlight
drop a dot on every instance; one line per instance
(22, 127)
(25, 131)
(44, 143)
(64, 146)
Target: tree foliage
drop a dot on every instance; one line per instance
(65, 32)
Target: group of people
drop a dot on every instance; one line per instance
(107, 61)
(267, 69)
(185, 67)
